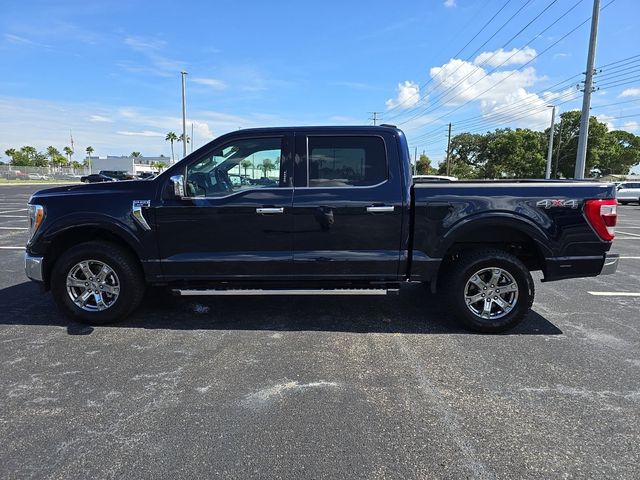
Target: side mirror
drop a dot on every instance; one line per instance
(178, 185)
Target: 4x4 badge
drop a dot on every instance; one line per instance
(557, 203)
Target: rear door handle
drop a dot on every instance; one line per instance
(270, 210)
(380, 209)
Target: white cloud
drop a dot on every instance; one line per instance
(145, 133)
(408, 95)
(631, 127)
(41, 123)
(100, 119)
(608, 119)
(501, 57)
(630, 92)
(214, 83)
(502, 97)
(450, 3)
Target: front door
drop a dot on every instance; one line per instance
(347, 207)
(235, 220)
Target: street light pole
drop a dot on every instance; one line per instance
(581, 157)
(547, 173)
(184, 114)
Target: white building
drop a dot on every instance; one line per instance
(132, 165)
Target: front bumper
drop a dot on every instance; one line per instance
(610, 264)
(33, 267)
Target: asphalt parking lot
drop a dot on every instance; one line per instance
(320, 387)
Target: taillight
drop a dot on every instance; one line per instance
(602, 216)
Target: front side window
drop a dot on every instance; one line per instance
(239, 165)
(346, 161)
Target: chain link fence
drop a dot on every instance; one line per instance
(67, 174)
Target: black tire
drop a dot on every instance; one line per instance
(128, 275)
(458, 281)
(622, 203)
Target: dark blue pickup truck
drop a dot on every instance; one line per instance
(315, 210)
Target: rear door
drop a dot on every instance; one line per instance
(347, 206)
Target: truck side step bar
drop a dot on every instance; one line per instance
(319, 291)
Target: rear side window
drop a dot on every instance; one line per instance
(346, 161)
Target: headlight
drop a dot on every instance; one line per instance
(36, 216)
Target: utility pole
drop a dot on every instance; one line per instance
(448, 148)
(184, 114)
(374, 117)
(415, 161)
(191, 137)
(559, 146)
(581, 158)
(547, 173)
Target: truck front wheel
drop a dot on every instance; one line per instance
(97, 283)
(489, 290)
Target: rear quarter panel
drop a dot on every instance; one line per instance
(451, 212)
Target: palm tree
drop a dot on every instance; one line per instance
(267, 166)
(171, 137)
(89, 151)
(246, 164)
(136, 154)
(68, 152)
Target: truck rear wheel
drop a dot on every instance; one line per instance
(489, 290)
(97, 283)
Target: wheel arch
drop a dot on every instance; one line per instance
(68, 236)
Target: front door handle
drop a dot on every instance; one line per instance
(270, 210)
(380, 209)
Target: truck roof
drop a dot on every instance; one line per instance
(332, 128)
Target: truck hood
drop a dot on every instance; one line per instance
(110, 188)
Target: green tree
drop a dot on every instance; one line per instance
(267, 166)
(620, 153)
(76, 165)
(246, 165)
(465, 157)
(136, 154)
(68, 152)
(161, 165)
(514, 154)
(171, 137)
(423, 165)
(89, 151)
(597, 143)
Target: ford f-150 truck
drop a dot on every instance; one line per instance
(323, 210)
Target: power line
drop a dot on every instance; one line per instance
(455, 55)
(427, 110)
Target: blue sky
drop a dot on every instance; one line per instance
(110, 70)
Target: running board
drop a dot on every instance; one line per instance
(255, 292)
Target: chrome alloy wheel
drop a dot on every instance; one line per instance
(491, 293)
(93, 285)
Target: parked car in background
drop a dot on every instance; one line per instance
(37, 176)
(117, 174)
(628, 192)
(434, 178)
(96, 178)
(146, 175)
(15, 175)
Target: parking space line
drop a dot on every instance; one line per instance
(627, 233)
(615, 294)
(629, 258)
(14, 228)
(13, 211)
(11, 248)
(12, 216)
